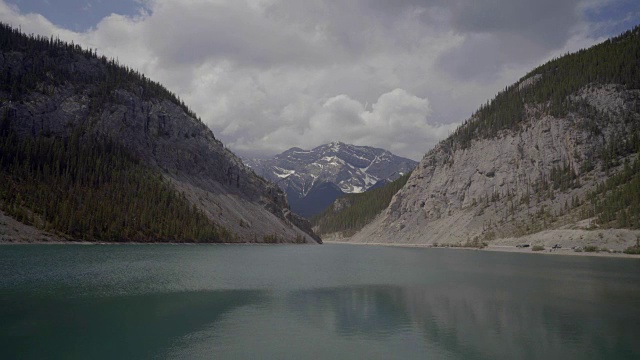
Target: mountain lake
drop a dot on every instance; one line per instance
(313, 302)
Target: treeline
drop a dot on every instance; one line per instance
(91, 189)
(615, 61)
(361, 209)
(45, 63)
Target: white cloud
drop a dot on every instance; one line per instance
(267, 75)
(397, 121)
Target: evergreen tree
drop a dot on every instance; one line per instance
(363, 208)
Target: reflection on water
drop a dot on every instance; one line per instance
(133, 327)
(471, 322)
(374, 311)
(323, 302)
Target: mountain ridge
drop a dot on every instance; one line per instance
(351, 168)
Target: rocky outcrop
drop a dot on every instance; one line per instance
(503, 187)
(341, 204)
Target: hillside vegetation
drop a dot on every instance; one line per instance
(352, 212)
(92, 189)
(555, 153)
(92, 150)
(616, 201)
(49, 62)
(81, 186)
(615, 61)
(552, 87)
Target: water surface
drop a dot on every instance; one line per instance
(330, 301)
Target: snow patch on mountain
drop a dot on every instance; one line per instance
(353, 169)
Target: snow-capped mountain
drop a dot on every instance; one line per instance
(350, 168)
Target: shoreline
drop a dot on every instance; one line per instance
(497, 248)
(83, 242)
(490, 248)
(13, 232)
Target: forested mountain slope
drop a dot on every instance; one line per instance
(95, 151)
(352, 212)
(554, 155)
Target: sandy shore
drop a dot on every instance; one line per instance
(501, 248)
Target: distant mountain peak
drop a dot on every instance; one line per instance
(351, 168)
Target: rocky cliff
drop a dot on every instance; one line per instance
(82, 91)
(537, 172)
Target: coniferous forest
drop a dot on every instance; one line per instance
(615, 61)
(360, 209)
(614, 202)
(92, 189)
(50, 62)
(81, 186)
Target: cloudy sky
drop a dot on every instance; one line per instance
(267, 75)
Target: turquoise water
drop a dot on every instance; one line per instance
(313, 302)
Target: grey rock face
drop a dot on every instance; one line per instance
(353, 169)
(341, 204)
(491, 189)
(162, 135)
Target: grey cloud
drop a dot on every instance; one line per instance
(546, 21)
(502, 33)
(356, 28)
(267, 75)
(233, 32)
(496, 32)
(481, 57)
